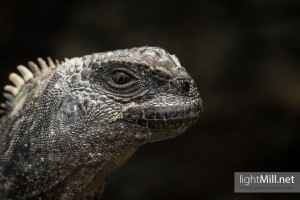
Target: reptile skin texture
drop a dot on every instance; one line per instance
(66, 126)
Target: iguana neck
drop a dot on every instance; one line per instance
(57, 169)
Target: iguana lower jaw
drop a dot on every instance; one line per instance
(164, 122)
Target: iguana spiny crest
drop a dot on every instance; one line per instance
(69, 125)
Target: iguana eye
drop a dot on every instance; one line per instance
(120, 77)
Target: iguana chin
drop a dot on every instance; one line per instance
(69, 125)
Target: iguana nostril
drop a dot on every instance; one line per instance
(185, 86)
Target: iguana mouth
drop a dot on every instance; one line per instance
(165, 117)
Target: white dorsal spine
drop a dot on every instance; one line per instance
(26, 73)
(17, 80)
(34, 68)
(43, 64)
(51, 63)
(11, 89)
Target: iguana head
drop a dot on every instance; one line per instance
(137, 95)
(144, 93)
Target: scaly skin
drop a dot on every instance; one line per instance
(71, 125)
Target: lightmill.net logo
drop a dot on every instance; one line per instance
(267, 182)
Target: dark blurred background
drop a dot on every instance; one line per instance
(244, 56)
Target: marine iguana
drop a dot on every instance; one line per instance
(68, 125)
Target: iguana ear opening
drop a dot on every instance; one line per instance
(19, 80)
